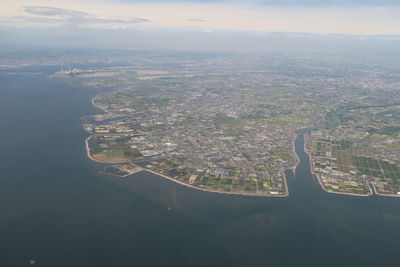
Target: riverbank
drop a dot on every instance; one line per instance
(383, 195)
(295, 154)
(372, 189)
(319, 177)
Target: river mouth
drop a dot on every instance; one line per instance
(301, 181)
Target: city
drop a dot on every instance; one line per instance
(201, 125)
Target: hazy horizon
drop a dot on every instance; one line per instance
(251, 26)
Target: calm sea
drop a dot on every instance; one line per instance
(57, 209)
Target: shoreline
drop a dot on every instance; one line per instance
(94, 105)
(297, 156)
(372, 189)
(321, 182)
(210, 190)
(286, 193)
(383, 195)
(97, 160)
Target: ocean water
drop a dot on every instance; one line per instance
(56, 208)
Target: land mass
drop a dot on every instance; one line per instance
(219, 125)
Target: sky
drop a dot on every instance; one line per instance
(361, 19)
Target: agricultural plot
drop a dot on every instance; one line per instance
(342, 172)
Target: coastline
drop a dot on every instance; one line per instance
(90, 156)
(321, 182)
(295, 154)
(214, 191)
(372, 190)
(286, 193)
(383, 195)
(96, 106)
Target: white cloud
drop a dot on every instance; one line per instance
(46, 16)
(207, 16)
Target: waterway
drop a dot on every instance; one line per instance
(58, 209)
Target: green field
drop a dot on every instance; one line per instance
(343, 160)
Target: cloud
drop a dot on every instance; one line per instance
(17, 19)
(295, 16)
(297, 3)
(324, 3)
(197, 20)
(53, 11)
(59, 16)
